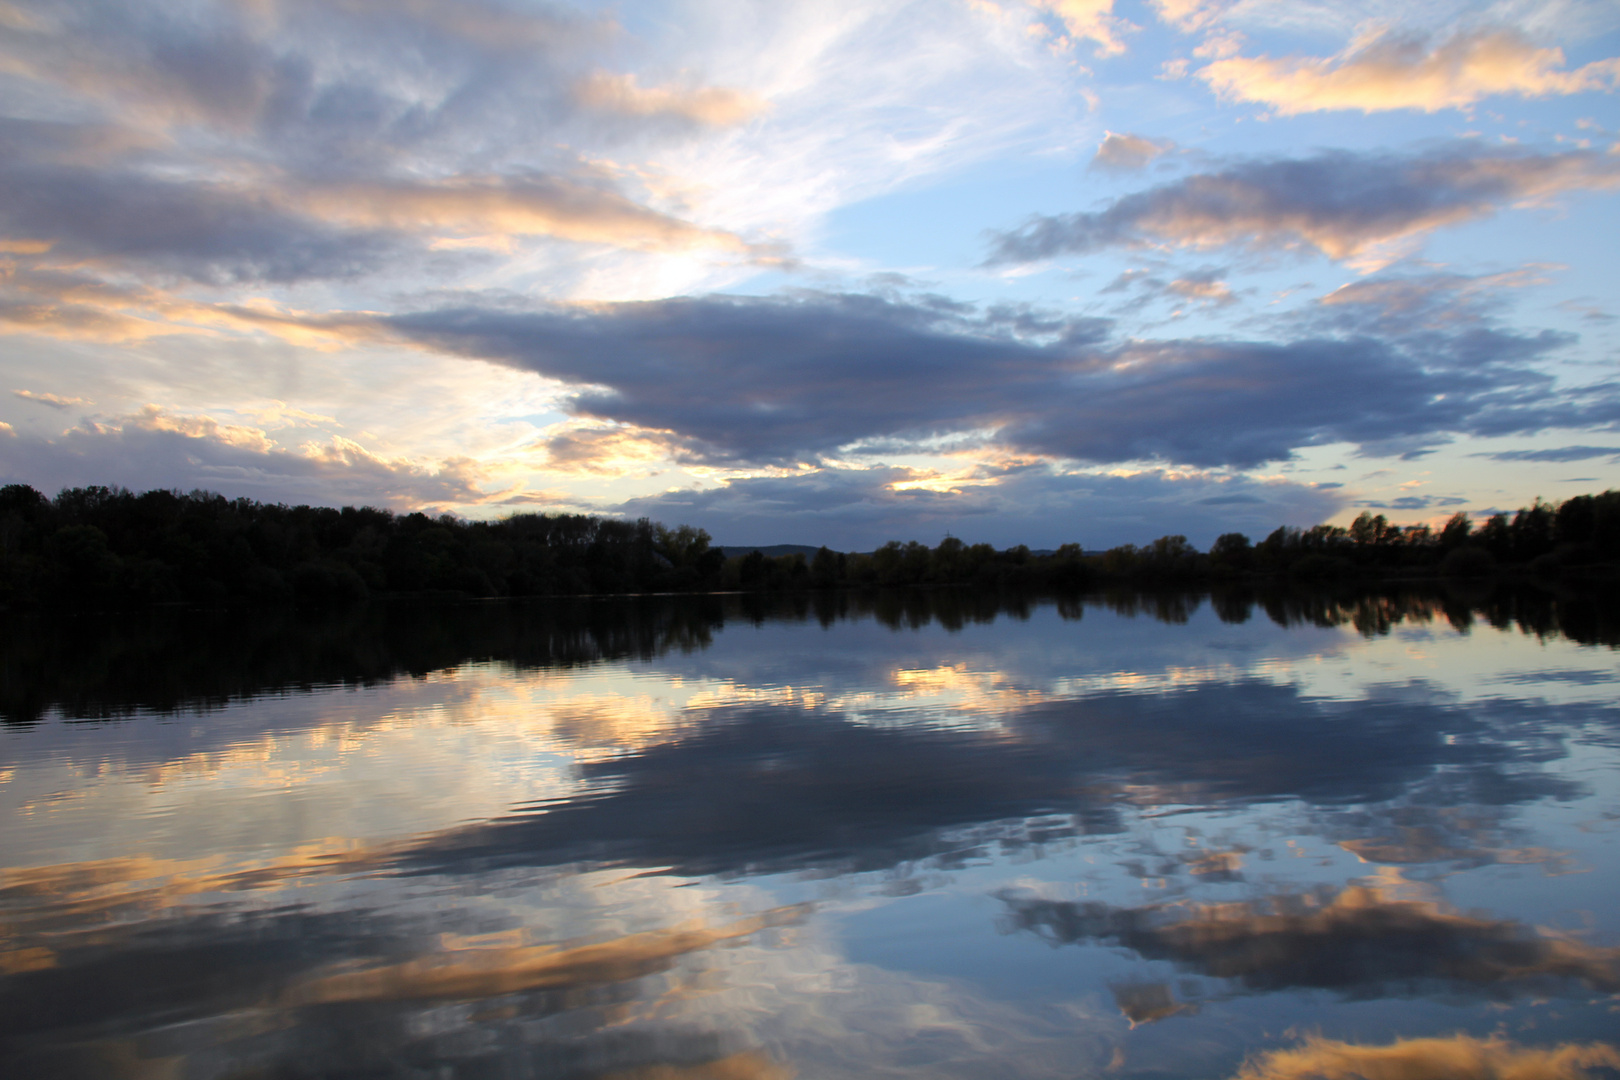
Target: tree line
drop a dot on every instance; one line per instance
(110, 546)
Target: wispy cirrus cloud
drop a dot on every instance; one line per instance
(1390, 70)
(1189, 16)
(717, 106)
(1342, 204)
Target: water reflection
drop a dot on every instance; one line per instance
(1412, 1059)
(1361, 941)
(103, 665)
(933, 834)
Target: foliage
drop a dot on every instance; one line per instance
(112, 547)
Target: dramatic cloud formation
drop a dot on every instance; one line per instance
(693, 237)
(792, 379)
(1389, 70)
(1340, 203)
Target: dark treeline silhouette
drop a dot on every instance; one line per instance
(109, 547)
(105, 666)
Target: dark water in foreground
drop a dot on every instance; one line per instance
(911, 835)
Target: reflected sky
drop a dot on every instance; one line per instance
(835, 836)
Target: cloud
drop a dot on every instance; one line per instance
(288, 141)
(54, 401)
(1557, 453)
(860, 509)
(1090, 20)
(157, 448)
(1123, 153)
(534, 205)
(1392, 71)
(80, 306)
(754, 381)
(1205, 287)
(1340, 203)
(210, 231)
(1460, 1057)
(1410, 503)
(712, 105)
(288, 230)
(608, 451)
(1189, 16)
(242, 68)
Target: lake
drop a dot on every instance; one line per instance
(932, 834)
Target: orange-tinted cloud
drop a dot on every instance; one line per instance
(1460, 1057)
(1189, 15)
(1392, 72)
(529, 206)
(609, 451)
(1090, 20)
(54, 401)
(716, 106)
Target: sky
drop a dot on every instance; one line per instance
(816, 271)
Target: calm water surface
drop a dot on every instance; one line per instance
(832, 837)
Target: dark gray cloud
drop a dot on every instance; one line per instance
(200, 230)
(1413, 502)
(776, 379)
(805, 376)
(1339, 202)
(1557, 453)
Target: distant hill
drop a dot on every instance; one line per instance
(770, 551)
